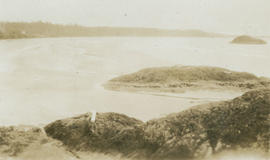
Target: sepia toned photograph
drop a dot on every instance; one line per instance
(134, 79)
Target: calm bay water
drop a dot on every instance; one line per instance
(42, 80)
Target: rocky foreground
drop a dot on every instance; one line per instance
(186, 78)
(239, 124)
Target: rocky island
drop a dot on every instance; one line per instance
(179, 79)
(247, 40)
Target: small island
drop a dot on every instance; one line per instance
(247, 40)
(178, 79)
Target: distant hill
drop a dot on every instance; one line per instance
(9, 30)
(247, 40)
(179, 78)
(241, 123)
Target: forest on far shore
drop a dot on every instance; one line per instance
(13, 30)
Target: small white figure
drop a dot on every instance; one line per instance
(93, 117)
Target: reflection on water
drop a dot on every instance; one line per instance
(46, 79)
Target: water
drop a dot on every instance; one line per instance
(42, 80)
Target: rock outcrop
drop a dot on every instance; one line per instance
(243, 122)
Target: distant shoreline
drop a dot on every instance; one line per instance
(17, 30)
(26, 38)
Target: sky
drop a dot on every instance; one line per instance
(223, 16)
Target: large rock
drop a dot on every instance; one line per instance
(110, 133)
(247, 40)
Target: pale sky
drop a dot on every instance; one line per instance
(224, 16)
